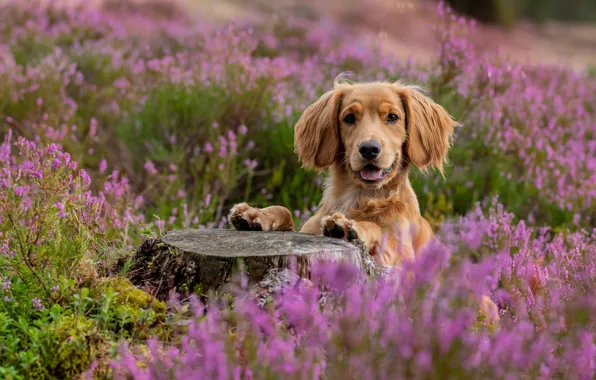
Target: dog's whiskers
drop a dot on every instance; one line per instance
(343, 161)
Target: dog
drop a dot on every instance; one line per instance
(367, 136)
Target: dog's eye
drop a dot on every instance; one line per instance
(392, 118)
(350, 119)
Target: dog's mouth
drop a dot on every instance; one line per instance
(372, 173)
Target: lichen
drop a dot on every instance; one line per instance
(370, 267)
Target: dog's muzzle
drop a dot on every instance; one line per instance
(372, 173)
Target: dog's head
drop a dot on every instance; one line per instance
(371, 129)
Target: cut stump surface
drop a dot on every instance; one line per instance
(186, 260)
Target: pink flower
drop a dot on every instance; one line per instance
(60, 208)
(150, 167)
(85, 177)
(37, 304)
(103, 166)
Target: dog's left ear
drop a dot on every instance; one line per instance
(429, 127)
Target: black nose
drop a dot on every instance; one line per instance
(369, 149)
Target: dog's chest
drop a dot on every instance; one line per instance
(346, 200)
(344, 203)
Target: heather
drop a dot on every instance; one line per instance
(419, 322)
(121, 122)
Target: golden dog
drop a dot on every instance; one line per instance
(367, 135)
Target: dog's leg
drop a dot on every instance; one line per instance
(423, 235)
(387, 248)
(338, 226)
(273, 218)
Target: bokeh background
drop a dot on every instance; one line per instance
(537, 31)
(193, 102)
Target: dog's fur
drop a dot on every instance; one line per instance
(410, 128)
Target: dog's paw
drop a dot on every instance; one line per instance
(245, 218)
(339, 227)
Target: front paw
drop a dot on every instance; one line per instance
(245, 218)
(339, 227)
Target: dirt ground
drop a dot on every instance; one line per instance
(405, 25)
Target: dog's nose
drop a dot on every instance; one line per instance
(369, 149)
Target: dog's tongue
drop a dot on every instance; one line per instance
(370, 173)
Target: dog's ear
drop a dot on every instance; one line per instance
(429, 127)
(316, 134)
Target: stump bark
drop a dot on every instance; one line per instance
(186, 260)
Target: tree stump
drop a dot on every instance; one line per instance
(186, 260)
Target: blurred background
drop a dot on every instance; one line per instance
(547, 31)
(178, 109)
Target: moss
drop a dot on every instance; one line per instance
(133, 297)
(68, 347)
(130, 312)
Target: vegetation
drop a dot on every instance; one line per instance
(111, 136)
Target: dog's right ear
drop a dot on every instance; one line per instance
(316, 134)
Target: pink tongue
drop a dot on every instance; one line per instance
(370, 174)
